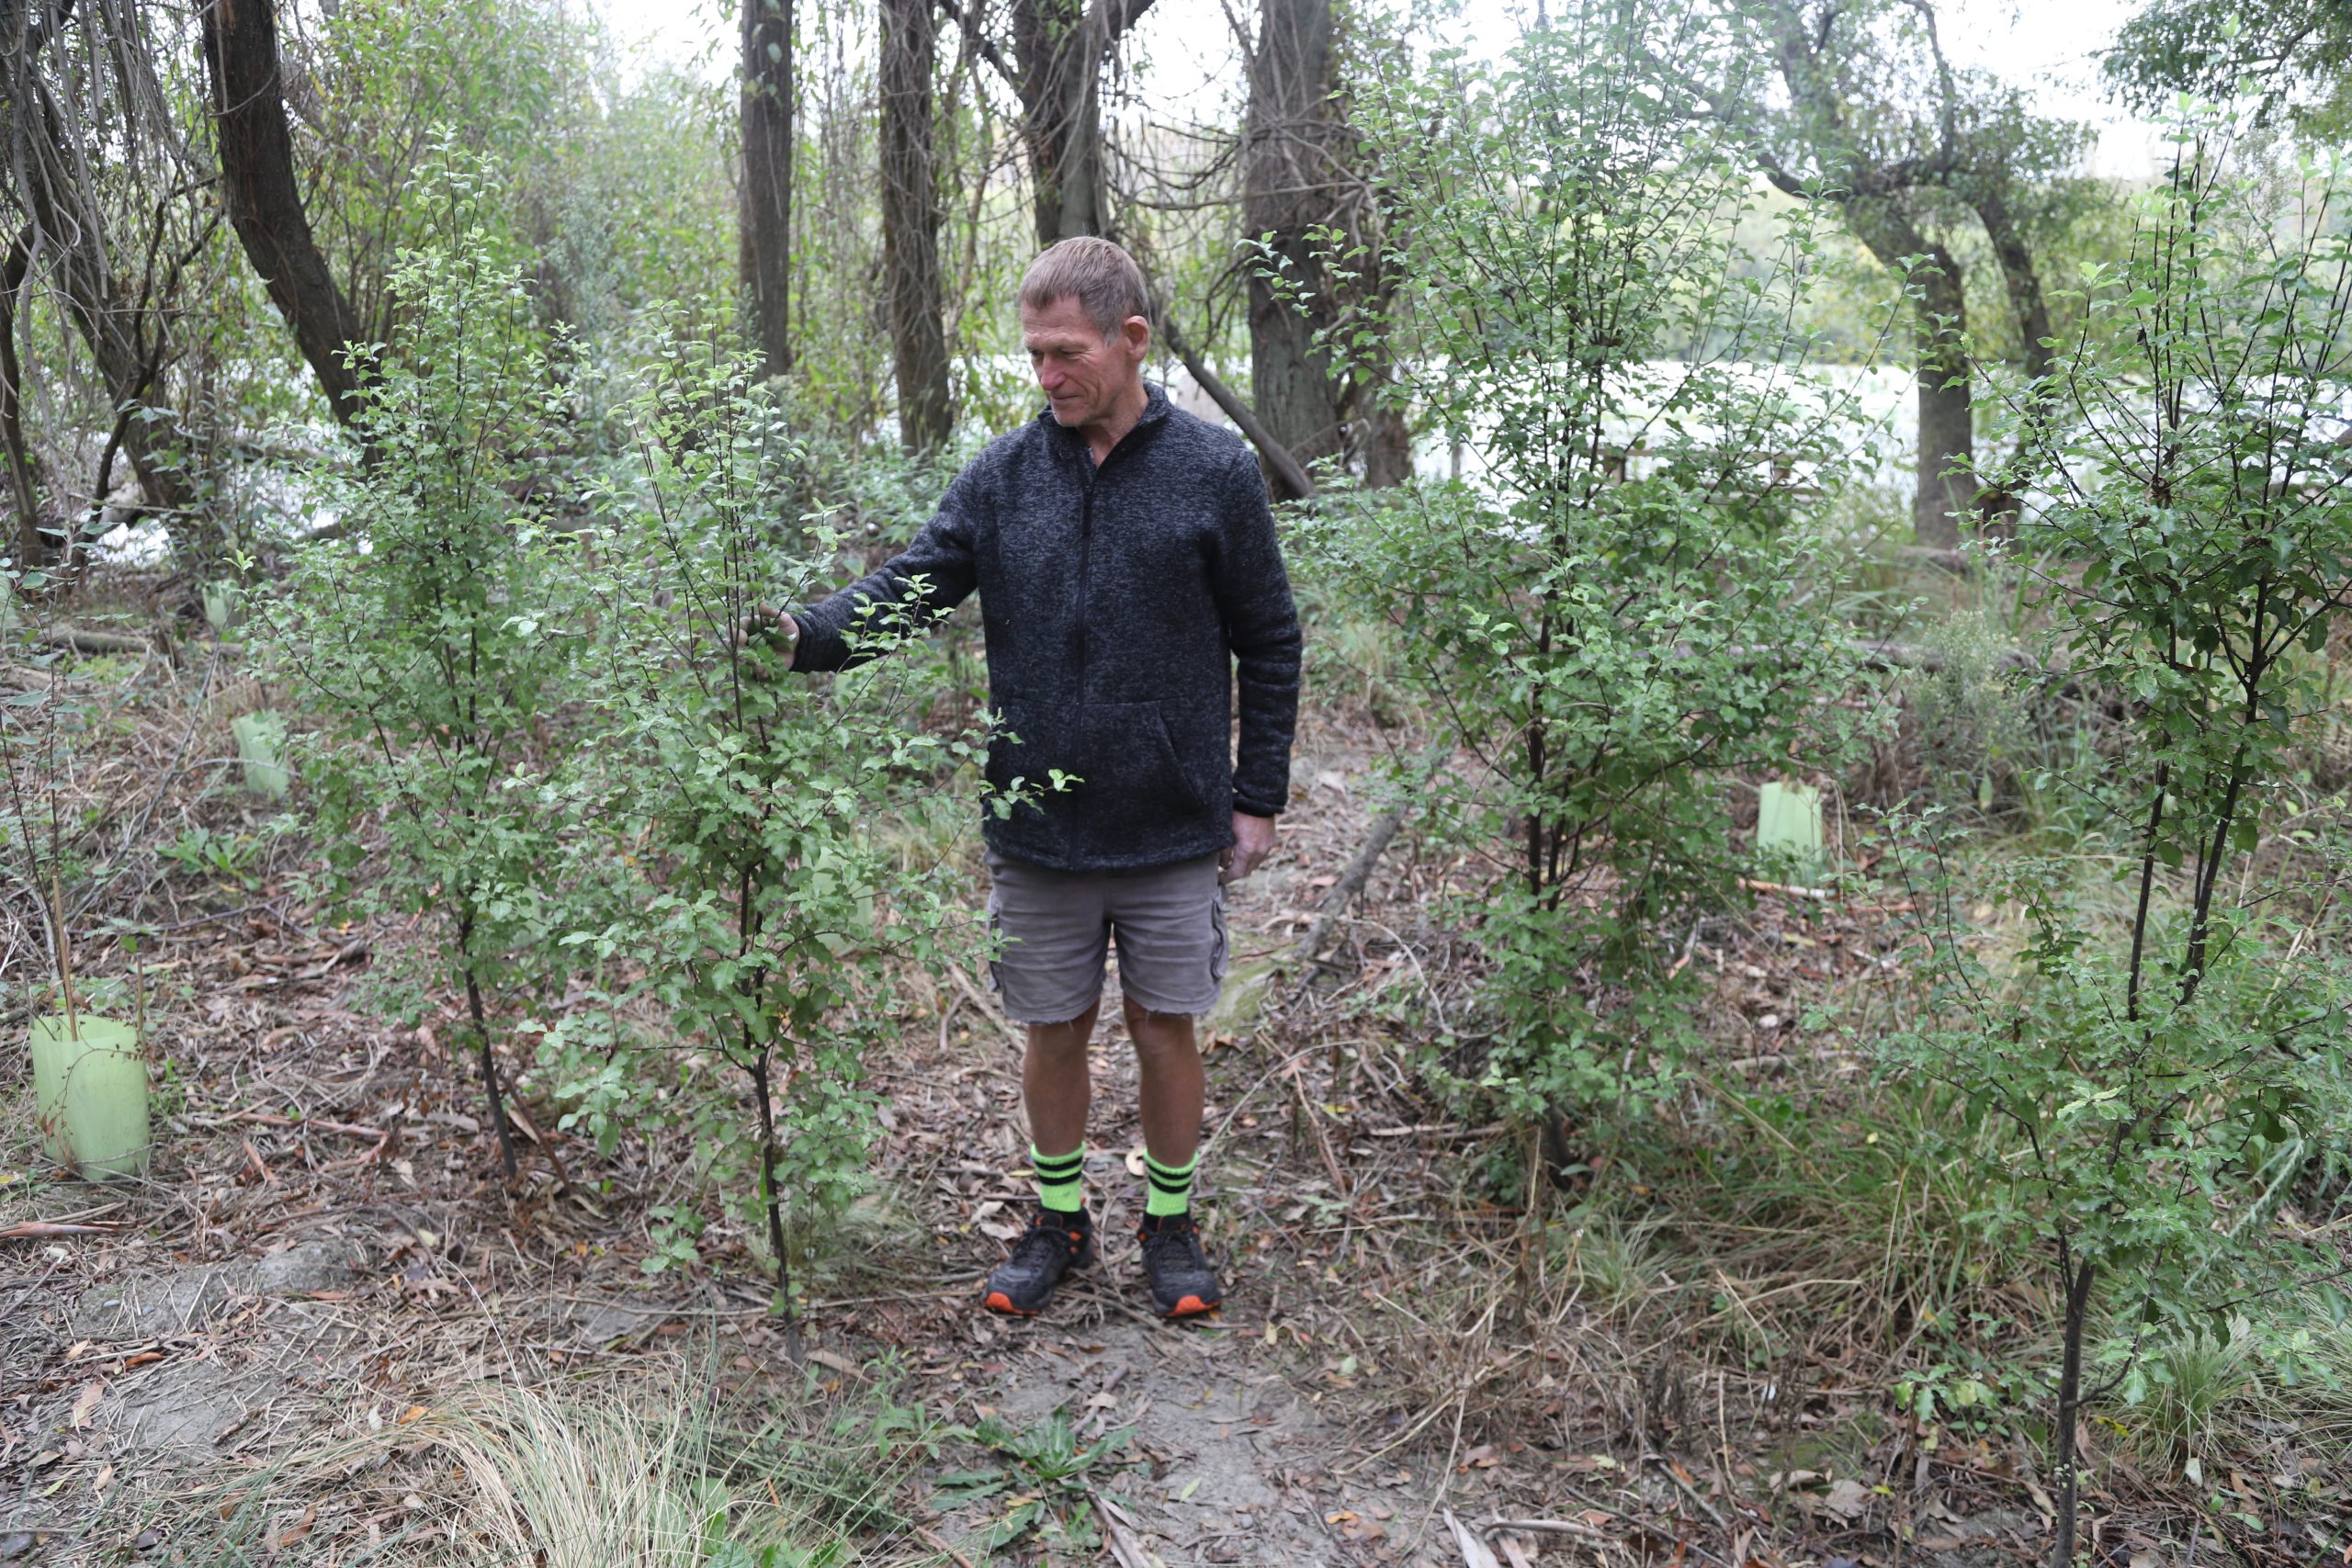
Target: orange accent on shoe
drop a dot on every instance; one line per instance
(998, 1301)
(1190, 1306)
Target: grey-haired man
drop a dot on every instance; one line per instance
(1127, 567)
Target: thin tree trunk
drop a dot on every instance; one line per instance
(1287, 156)
(2066, 1485)
(765, 235)
(24, 487)
(761, 1070)
(480, 1017)
(264, 204)
(910, 220)
(1060, 47)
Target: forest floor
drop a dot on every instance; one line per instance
(278, 1324)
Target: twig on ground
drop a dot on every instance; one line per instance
(39, 1230)
(1475, 1553)
(1125, 1546)
(1012, 1031)
(1674, 1473)
(1550, 1527)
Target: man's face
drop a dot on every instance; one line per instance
(1082, 373)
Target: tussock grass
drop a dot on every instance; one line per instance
(662, 1473)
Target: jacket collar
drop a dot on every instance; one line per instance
(1155, 411)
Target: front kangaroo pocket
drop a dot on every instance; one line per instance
(1130, 763)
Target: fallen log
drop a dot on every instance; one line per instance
(1350, 885)
(82, 641)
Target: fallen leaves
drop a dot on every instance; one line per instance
(85, 1404)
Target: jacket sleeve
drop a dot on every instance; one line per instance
(941, 556)
(1261, 624)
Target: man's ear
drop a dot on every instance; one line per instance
(1137, 332)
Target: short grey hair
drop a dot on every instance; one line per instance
(1101, 277)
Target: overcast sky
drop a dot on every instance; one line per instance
(1186, 44)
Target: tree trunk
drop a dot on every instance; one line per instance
(1300, 174)
(2078, 1280)
(911, 219)
(264, 204)
(1947, 485)
(24, 482)
(765, 235)
(128, 342)
(1287, 162)
(1060, 47)
(1999, 504)
(2023, 281)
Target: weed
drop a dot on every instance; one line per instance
(1044, 1479)
(199, 852)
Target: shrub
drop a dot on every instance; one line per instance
(2169, 1073)
(417, 631)
(1607, 614)
(738, 888)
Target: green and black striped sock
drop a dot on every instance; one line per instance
(1061, 1180)
(1167, 1189)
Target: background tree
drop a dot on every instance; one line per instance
(911, 222)
(1303, 183)
(98, 173)
(264, 204)
(1059, 50)
(2294, 52)
(1875, 120)
(766, 123)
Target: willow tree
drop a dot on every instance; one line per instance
(1914, 153)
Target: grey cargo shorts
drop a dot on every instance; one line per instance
(1053, 928)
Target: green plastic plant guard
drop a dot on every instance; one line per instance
(260, 742)
(90, 1094)
(1788, 826)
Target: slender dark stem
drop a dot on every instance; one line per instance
(479, 1018)
(2078, 1278)
(773, 1192)
(2147, 884)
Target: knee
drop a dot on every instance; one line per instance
(1148, 1029)
(1059, 1042)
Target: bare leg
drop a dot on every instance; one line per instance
(1173, 1090)
(1054, 1082)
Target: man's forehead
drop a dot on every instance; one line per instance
(1059, 337)
(1051, 326)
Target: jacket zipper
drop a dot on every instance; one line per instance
(1085, 565)
(1093, 472)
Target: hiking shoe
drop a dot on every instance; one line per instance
(1048, 1249)
(1182, 1283)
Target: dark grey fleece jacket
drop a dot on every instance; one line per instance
(1116, 603)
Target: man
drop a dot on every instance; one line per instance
(1125, 560)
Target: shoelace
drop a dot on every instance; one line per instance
(1040, 1240)
(1182, 1240)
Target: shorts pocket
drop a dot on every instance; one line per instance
(1216, 929)
(996, 944)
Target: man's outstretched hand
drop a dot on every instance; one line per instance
(1253, 841)
(769, 625)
